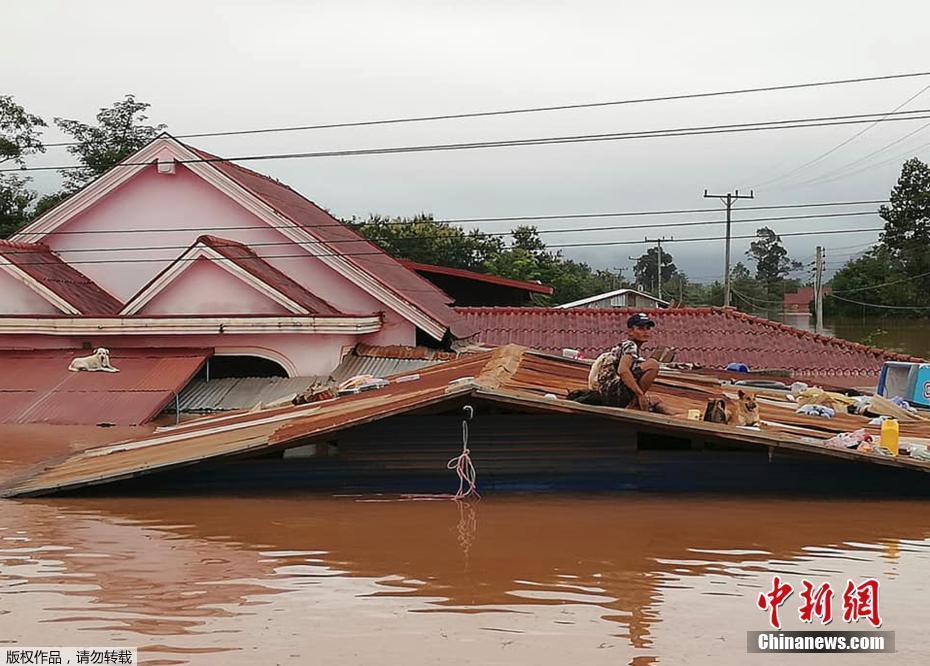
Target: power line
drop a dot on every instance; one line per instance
(755, 301)
(837, 174)
(513, 218)
(520, 218)
(845, 142)
(877, 305)
(542, 109)
(382, 253)
(491, 234)
(883, 284)
(798, 123)
(832, 174)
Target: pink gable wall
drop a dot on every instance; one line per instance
(20, 299)
(182, 207)
(191, 207)
(205, 286)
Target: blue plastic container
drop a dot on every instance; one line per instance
(911, 381)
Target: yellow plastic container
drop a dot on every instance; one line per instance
(890, 435)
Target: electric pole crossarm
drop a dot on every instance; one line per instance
(727, 200)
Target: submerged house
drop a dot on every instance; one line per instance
(174, 251)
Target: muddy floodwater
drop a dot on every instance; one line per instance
(517, 579)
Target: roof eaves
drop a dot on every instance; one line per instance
(535, 287)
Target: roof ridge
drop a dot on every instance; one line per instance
(255, 264)
(326, 228)
(210, 156)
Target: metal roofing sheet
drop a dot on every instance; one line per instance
(377, 367)
(37, 387)
(95, 407)
(509, 376)
(227, 394)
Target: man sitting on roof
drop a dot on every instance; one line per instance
(622, 377)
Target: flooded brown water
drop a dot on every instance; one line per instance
(541, 579)
(906, 335)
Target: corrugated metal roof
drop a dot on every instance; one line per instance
(510, 377)
(231, 393)
(37, 387)
(378, 367)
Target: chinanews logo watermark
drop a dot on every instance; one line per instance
(860, 606)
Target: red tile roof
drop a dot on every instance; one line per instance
(250, 262)
(712, 337)
(37, 387)
(535, 287)
(341, 240)
(802, 297)
(72, 286)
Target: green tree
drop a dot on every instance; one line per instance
(20, 136)
(121, 130)
(859, 280)
(19, 132)
(528, 258)
(646, 270)
(907, 224)
(15, 200)
(772, 261)
(423, 239)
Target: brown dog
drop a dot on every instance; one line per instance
(744, 411)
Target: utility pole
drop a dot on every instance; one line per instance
(658, 242)
(728, 200)
(818, 290)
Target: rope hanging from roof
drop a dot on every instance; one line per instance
(462, 464)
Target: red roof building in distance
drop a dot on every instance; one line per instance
(710, 337)
(800, 301)
(468, 288)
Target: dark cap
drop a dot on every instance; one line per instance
(640, 320)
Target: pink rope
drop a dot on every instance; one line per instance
(462, 464)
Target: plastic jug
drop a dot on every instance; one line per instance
(890, 435)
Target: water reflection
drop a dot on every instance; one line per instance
(354, 579)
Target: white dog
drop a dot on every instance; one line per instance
(98, 362)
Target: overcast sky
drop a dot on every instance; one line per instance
(241, 64)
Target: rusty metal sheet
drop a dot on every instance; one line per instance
(14, 403)
(37, 387)
(95, 407)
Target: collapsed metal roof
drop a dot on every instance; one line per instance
(512, 377)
